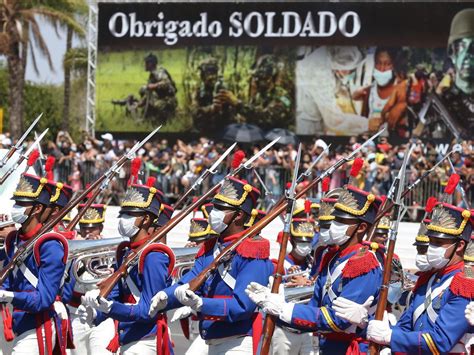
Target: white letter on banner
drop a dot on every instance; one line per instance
(308, 26)
(287, 16)
(270, 32)
(322, 23)
(215, 29)
(343, 24)
(235, 29)
(248, 24)
(113, 24)
(136, 27)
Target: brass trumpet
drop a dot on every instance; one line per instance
(94, 256)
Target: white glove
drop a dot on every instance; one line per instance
(469, 313)
(271, 303)
(158, 302)
(86, 314)
(181, 313)
(60, 310)
(379, 331)
(92, 299)
(188, 298)
(6, 296)
(351, 311)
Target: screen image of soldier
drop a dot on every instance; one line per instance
(210, 114)
(157, 102)
(452, 110)
(269, 105)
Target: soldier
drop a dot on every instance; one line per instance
(287, 340)
(33, 288)
(432, 324)
(208, 113)
(129, 302)
(348, 270)
(199, 229)
(60, 198)
(88, 339)
(270, 106)
(228, 318)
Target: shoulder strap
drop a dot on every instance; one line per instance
(331, 277)
(224, 270)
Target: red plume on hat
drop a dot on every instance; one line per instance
(134, 170)
(49, 166)
(237, 159)
(356, 166)
(325, 184)
(307, 207)
(151, 181)
(89, 195)
(452, 183)
(33, 157)
(430, 204)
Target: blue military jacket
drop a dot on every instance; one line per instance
(132, 296)
(227, 310)
(358, 278)
(440, 326)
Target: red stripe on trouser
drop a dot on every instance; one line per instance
(257, 329)
(44, 322)
(162, 336)
(7, 323)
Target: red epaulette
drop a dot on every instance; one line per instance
(462, 285)
(422, 279)
(46, 237)
(328, 257)
(255, 248)
(157, 247)
(361, 263)
(207, 246)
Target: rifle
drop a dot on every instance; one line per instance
(22, 157)
(388, 205)
(309, 171)
(269, 324)
(195, 283)
(18, 144)
(24, 250)
(108, 284)
(204, 175)
(399, 212)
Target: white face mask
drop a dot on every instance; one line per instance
(127, 226)
(18, 214)
(216, 220)
(337, 233)
(394, 292)
(303, 249)
(383, 77)
(421, 261)
(324, 237)
(436, 257)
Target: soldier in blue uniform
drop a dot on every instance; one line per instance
(433, 323)
(348, 270)
(33, 288)
(129, 302)
(228, 318)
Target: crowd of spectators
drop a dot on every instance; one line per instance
(177, 165)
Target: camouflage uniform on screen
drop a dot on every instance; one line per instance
(207, 114)
(159, 101)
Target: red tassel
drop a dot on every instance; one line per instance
(430, 204)
(49, 166)
(356, 166)
(279, 237)
(7, 323)
(452, 183)
(151, 181)
(237, 160)
(114, 344)
(254, 248)
(462, 286)
(325, 184)
(307, 207)
(360, 264)
(33, 157)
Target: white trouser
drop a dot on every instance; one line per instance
(231, 345)
(285, 342)
(27, 343)
(198, 347)
(145, 346)
(91, 340)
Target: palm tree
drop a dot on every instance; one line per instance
(19, 21)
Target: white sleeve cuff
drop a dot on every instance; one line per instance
(287, 312)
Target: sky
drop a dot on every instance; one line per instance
(57, 47)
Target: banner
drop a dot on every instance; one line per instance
(337, 69)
